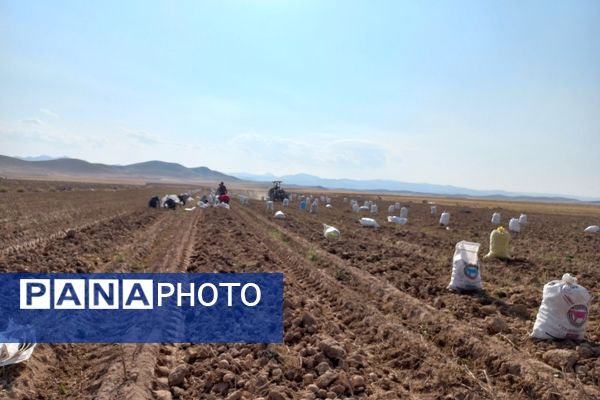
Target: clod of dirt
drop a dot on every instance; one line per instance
(338, 389)
(326, 379)
(332, 349)
(308, 320)
(520, 310)
(308, 379)
(561, 358)
(237, 395)
(163, 395)
(356, 361)
(229, 377)
(275, 394)
(70, 234)
(322, 368)
(177, 392)
(585, 350)
(178, 375)
(497, 325)
(313, 388)
(490, 309)
(511, 368)
(358, 383)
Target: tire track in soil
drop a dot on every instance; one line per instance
(396, 362)
(41, 376)
(88, 370)
(142, 368)
(501, 365)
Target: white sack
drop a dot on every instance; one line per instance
(404, 212)
(374, 209)
(391, 209)
(270, 205)
(592, 229)
(396, 206)
(466, 274)
(496, 218)
(355, 207)
(279, 215)
(523, 219)
(563, 313)
(331, 232)
(286, 202)
(328, 206)
(445, 218)
(514, 225)
(433, 210)
(13, 353)
(369, 222)
(363, 208)
(397, 220)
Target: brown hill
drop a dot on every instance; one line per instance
(71, 168)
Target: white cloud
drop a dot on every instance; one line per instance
(31, 121)
(49, 113)
(313, 154)
(144, 137)
(34, 132)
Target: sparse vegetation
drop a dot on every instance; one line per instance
(312, 255)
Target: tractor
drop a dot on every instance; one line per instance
(276, 193)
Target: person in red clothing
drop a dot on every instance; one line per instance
(222, 193)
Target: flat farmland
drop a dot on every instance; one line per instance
(366, 316)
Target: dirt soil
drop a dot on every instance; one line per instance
(367, 316)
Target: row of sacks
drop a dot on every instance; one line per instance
(563, 313)
(497, 217)
(330, 232)
(368, 222)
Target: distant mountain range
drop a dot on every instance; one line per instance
(71, 168)
(381, 185)
(46, 167)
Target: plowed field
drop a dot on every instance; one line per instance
(366, 316)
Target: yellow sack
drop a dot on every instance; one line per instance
(499, 241)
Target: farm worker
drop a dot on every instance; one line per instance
(303, 204)
(222, 189)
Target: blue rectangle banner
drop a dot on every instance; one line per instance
(141, 308)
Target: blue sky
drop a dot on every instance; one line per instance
(480, 94)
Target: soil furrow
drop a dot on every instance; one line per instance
(454, 337)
